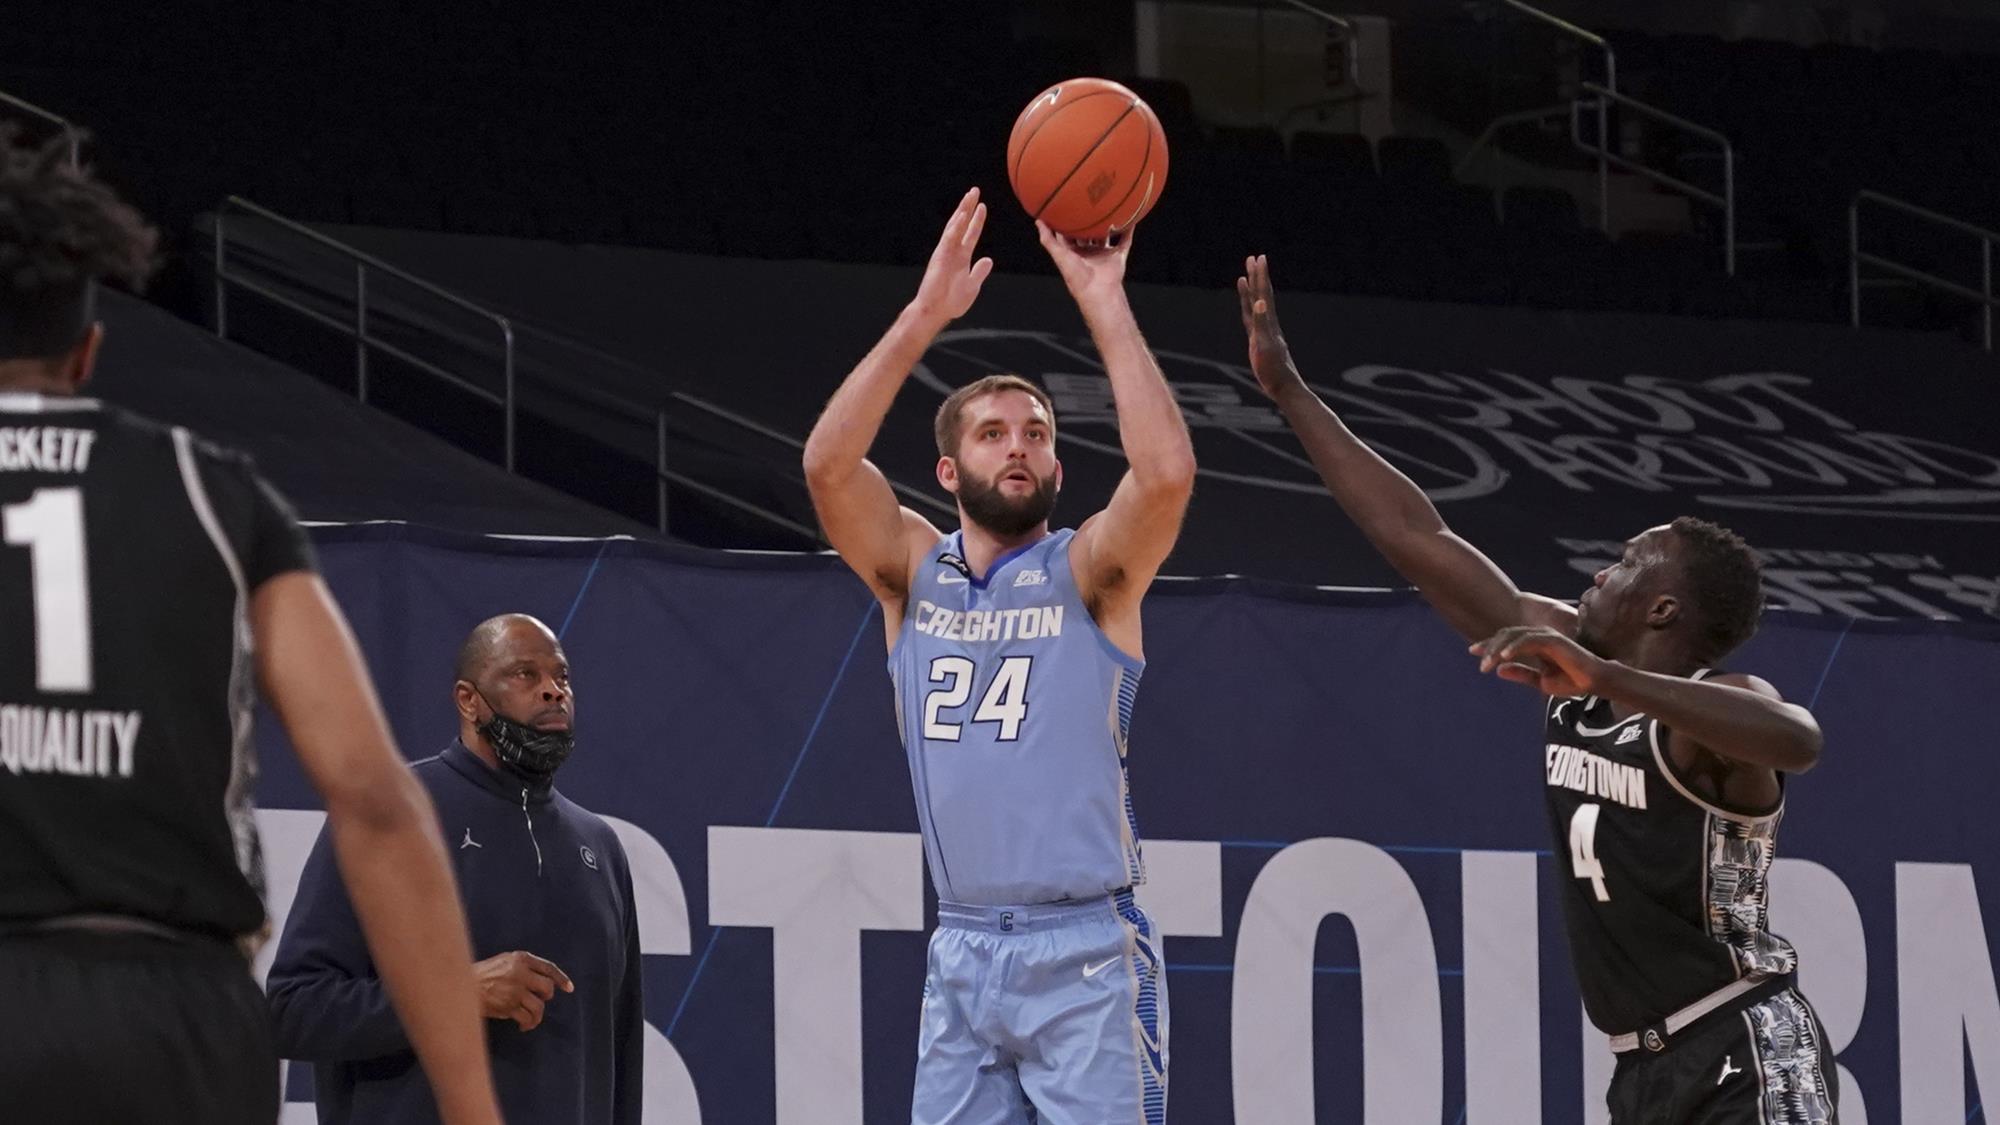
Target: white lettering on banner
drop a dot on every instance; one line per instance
(1947, 1006)
(1271, 1008)
(817, 890)
(1598, 1064)
(287, 837)
(1844, 582)
(1182, 893)
(1816, 912)
(1740, 440)
(660, 899)
(1503, 991)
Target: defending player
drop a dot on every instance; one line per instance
(149, 582)
(1016, 656)
(1665, 778)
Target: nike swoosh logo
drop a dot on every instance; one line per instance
(945, 581)
(1092, 970)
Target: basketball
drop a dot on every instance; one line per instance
(1088, 158)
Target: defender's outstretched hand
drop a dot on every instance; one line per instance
(1270, 357)
(952, 279)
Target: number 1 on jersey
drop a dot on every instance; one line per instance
(1005, 701)
(1583, 861)
(50, 525)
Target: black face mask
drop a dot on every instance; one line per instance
(537, 753)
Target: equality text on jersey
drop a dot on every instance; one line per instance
(45, 449)
(55, 740)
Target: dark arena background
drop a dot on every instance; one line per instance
(530, 307)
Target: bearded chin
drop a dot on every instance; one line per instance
(988, 507)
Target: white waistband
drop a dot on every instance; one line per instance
(1679, 1020)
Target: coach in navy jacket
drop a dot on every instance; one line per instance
(548, 895)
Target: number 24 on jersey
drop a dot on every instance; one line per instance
(1004, 703)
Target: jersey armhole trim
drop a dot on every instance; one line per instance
(1674, 779)
(1124, 659)
(204, 511)
(908, 624)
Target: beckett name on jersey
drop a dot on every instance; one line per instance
(45, 449)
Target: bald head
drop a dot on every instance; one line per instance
(514, 666)
(496, 639)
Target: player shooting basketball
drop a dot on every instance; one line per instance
(1665, 778)
(1016, 657)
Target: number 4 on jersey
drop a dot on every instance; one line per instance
(1005, 701)
(1583, 861)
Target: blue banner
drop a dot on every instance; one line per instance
(1349, 853)
(1862, 463)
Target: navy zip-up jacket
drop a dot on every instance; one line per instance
(536, 872)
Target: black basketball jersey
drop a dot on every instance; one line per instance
(1663, 891)
(129, 557)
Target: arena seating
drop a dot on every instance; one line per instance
(680, 143)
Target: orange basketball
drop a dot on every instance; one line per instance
(1088, 158)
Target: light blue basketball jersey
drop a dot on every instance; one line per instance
(1014, 709)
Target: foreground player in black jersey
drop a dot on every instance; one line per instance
(145, 578)
(1665, 779)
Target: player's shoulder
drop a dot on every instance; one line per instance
(141, 429)
(425, 767)
(1746, 681)
(107, 419)
(921, 537)
(214, 456)
(432, 773)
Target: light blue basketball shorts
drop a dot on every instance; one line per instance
(1043, 1015)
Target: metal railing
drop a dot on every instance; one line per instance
(69, 129)
(1726, 201)
(1603, 147)
(1856, 257)
(357, 328)
(1350, 43)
